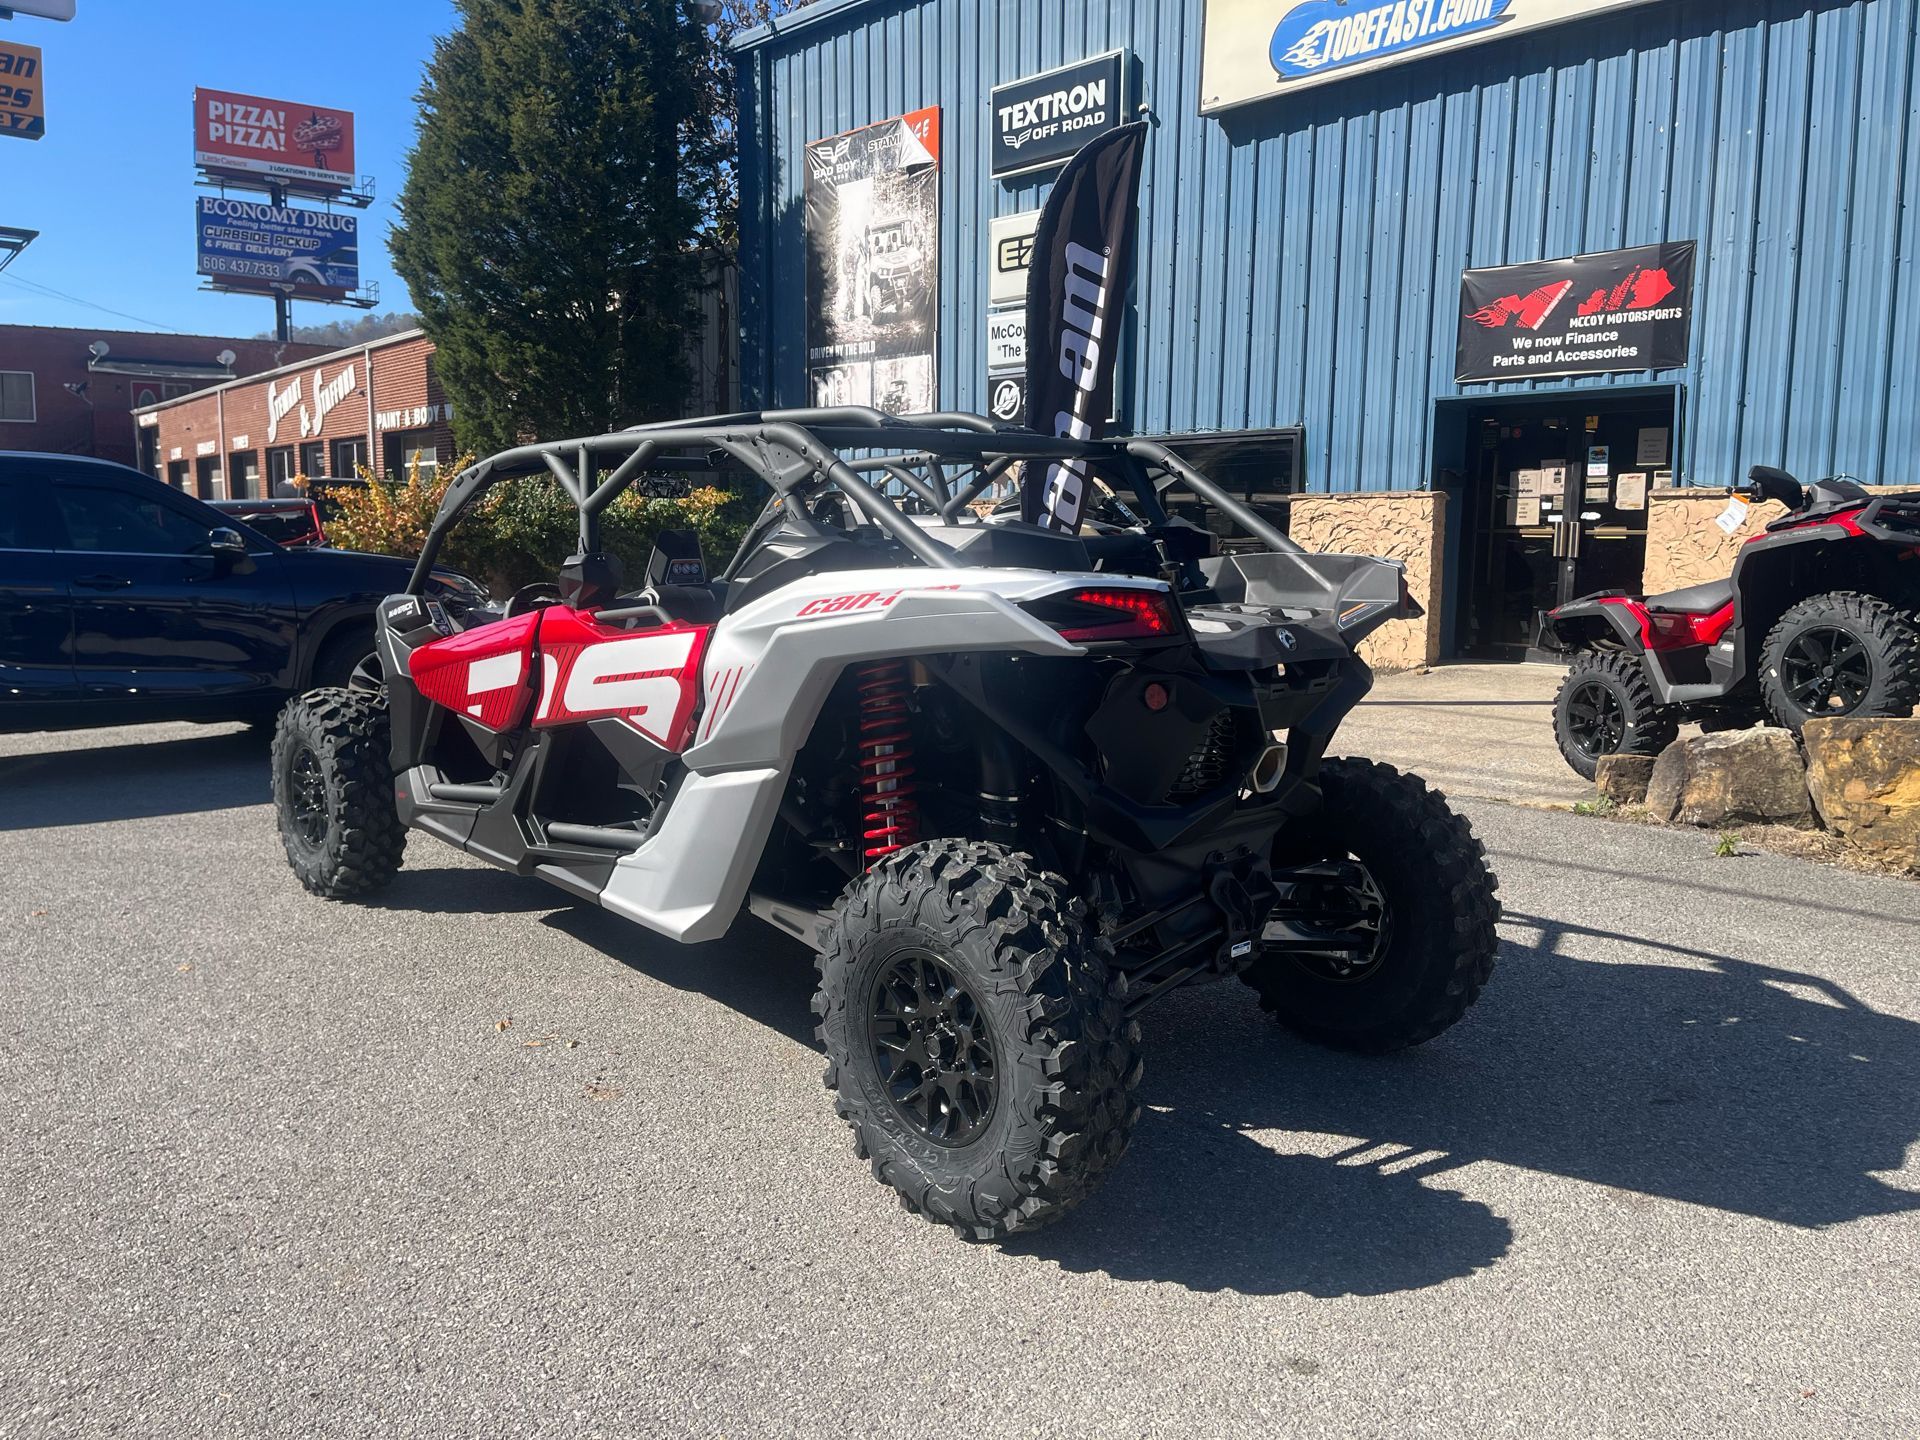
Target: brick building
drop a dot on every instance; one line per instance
(377, 404)
(72, 391)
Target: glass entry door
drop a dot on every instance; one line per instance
(1556, 508)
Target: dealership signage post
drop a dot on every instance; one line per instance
(1254, 49)
(1619, 310)
(23, 108)
(1042, 119)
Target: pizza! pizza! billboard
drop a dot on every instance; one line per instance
(304, 147)
(1618, 310)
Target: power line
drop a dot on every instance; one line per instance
(48, 290)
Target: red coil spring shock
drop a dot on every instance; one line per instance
(890, 817)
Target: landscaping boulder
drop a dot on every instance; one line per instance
(1736, 777)
(1865, 779)
(1623, 778)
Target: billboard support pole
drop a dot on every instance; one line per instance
(282, 299)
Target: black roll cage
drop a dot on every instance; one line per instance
(799, 451)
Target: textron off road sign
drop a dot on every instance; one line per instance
(1042, 119)
(1258, 48)
(1592, 315)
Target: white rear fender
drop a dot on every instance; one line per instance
(771, 665)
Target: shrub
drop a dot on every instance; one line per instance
(522, 529)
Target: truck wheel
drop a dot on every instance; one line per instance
(333, 793)
(1840, 654)
(1395, 939)
(975, 1042)
(1606, 707)
(341, 657)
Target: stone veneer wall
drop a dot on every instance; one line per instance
(1685, 547)
(1409, 526)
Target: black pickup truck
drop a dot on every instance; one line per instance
(123, 600)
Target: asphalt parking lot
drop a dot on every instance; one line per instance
(474, 1160)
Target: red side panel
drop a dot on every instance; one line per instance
(649, 678)
(481, 673)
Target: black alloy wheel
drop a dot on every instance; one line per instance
(1826, 671)
(933, 1049)
(1841, 653)
(1596, 720)
(307, 796)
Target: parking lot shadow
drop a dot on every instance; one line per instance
(1265, 1165)
(1714, 1081)
(91, 785)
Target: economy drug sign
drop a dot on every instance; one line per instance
(1254, 49)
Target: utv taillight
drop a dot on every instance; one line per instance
(1097, 613)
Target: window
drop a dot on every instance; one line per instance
(206, 476)
(408, 448)
(348, 457)
(118, 522)
(313, 459)
(177, 474)
(1261, 468)
(280, 469)
(16, 395)
(243, 474)
(23, 519)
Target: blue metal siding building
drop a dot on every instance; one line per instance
(1300, 257)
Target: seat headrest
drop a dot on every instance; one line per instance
(587, 582)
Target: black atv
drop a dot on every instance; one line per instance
(1817, 619)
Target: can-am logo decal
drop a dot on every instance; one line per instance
(1327, 35)
(1083, 328)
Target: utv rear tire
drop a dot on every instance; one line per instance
(1010, 1115)
(1840, 654)
(333, 793)
(1606, 707)
(1437, 910)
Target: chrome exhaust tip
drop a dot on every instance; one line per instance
(1264, 778)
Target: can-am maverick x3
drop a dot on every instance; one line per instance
(1817, 619)
(1010, 784)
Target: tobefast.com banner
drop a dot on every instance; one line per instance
(1259, 48)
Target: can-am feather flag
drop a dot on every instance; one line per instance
(1082, 260)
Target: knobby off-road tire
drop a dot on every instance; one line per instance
(1438, 908)
(1606, 707)
(333, 793)
(1026, 998)
(1867, 650)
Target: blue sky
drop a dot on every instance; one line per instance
(110, 188)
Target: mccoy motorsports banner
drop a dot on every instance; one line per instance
(1259, 48)
(1592, 315)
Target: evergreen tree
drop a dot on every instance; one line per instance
(566, 159)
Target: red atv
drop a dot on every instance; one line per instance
(1818, 618)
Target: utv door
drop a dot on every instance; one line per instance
(36, 611)
(159, 619)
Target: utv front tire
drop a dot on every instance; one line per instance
(1410, 947)
(333, 793)
(974, 1039)
(1840, 654)
(1606, 707)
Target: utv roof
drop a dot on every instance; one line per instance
(800, 450)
